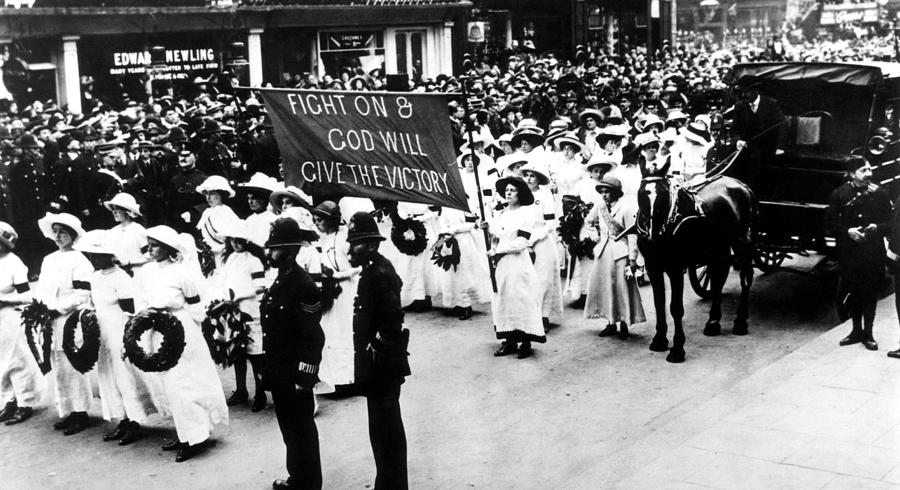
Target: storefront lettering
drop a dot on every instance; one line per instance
(142, 58)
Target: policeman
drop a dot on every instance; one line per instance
(292, 349)
(858, 216)
(380, 344)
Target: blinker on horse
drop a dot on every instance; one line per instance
(679, 228)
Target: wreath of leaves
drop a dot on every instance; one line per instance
(570, 224)
(205, 257)
(85, 357)
(226, 329)
(409, 247)
(170, 349)
(36, 319)
(448, 260)
(331, 289)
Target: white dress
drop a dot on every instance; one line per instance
(214, 223)
(469, 283)
(125, 391)
(64, 286)
(260, 224)
(516, 308)
(20, 377)
(127, 241)
(417, 271)
(243, 273)
(193, 389)
(336, 367)
(546, 261)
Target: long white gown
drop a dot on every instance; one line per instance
(516, 308)
(337, 366)
(469, 283)
(244, 274)
(546, 260)
(193, 389)
(125, 390)
(20, 377)
(64, 286)
(417, 271)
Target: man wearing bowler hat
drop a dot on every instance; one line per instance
(380, 344)
(758, 124)
(290, 312)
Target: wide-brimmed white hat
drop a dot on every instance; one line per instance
(603, 159)
(568, 139)
(125, 201)
(216, 183)
(539, 170)
(290, 191)
(46, 224)
(167, 236)
(8, 235)
(696, 132)
(260, 181)
(645, 138)
(95, 242)
(476, 138)
(237, 229)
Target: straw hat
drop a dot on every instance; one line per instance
(602, 159)
(125, 201)
(589, 113)
(237, 229)
(95, 242)
(644, 139)
(532, 134)
(260, 182)
(8, 235)
(216, 183)
(290, 191)
(568, 139)
(540, 170)
(46, 224)
(525, 196)
(167, 236)
(696, 132)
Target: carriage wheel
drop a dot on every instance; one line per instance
(700, 281)
(769, 260)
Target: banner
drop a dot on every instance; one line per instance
(380, 145)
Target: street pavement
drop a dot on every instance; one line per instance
(783, 407)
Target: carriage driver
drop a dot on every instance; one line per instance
(858, 216)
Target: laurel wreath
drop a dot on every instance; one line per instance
(570, 224)
(446, 253)
(36, 318)
(85, 357)
(400, 235)
(205, 257)
(226, 329)
(171, 348)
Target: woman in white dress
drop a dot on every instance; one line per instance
(543, 241)
(516, 308)
(21, 383)
(244, 281)
(612, 291)
(127, 394)
(218, 217)
(259, 188)
(128, 237)
(193, 389)
(417, 271)
(64, 286)
(337, 368)
(467, 283)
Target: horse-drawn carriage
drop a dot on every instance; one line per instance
(832, 111)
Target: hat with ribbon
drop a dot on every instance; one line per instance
(71, 222)
(166, 236)
(216, 183)
(125, 201)
(260, 182)
(602, 159)
(95, 242)
(303, 199)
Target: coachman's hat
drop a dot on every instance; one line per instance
(285, 232)
(362, 227)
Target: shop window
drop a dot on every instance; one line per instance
(351, 52)
(410, 46)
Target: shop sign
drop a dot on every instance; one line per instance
(175, 64)
(349, 40)
(386, 146)
(844, 13)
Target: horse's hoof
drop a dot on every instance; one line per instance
(675, 356)
(740, 327)
(659, 344)
(712, 329)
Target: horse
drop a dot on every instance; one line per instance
(685, 225)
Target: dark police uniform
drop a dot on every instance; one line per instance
(862, 263)
(380, 344)
(292, 344)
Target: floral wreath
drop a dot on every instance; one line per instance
(574, 211)
(409, 235)
(446, 253)
(170, 349)
(205, 257)
(85, 357)
(36, 319)
(225, 318)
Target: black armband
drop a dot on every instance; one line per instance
(524, 234)
(23, 288)
(257, 275)
(192, 300)
(83, 285)
(127, 305)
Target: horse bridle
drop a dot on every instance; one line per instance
(673, 217)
